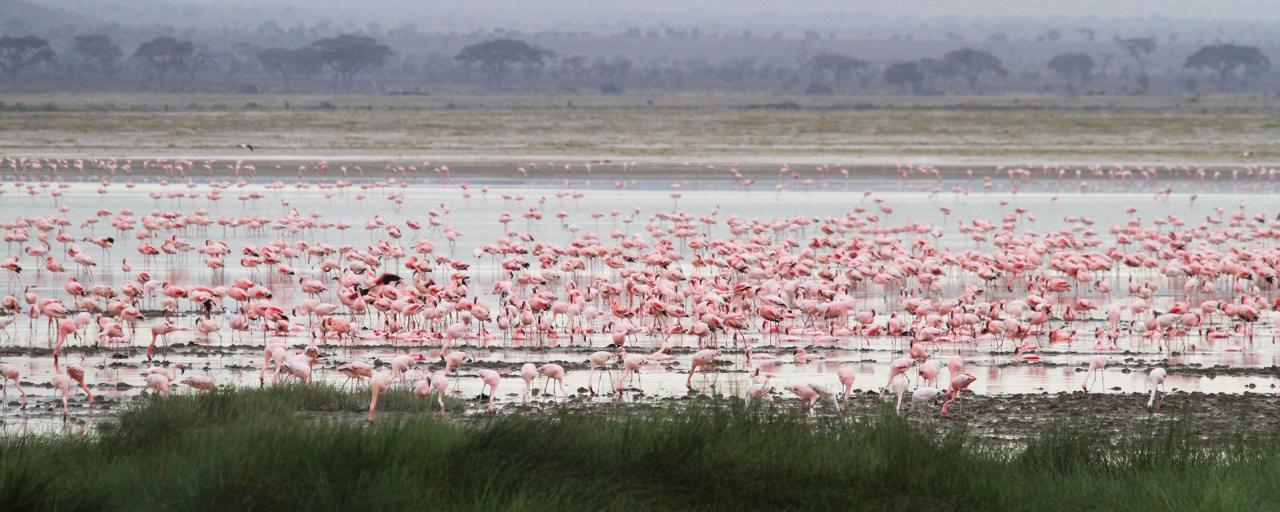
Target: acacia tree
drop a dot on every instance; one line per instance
(98, 51)
(288, 63)
(18, 53)
(974, 64)
(937, 69)
(240, 58)
(904, 75)
(496, 57)
(166, 54)
(1225, 59)
(1139, 48)
(840, 67)
(615, 68)
(1075, 68)
(348, 54)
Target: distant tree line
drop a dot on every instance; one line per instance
(1233, 65)
(351, 61)
(968, 64)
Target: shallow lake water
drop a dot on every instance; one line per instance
(606, 206)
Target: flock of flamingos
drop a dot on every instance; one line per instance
(637, 289)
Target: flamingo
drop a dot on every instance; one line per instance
(491, 379)
(9, 373)
(1096, 366)
(158, 382)
(528, 372)
(162, 331)
(1155, 382)
(701, 359)
(552, 372)
(846, 376)
(378, 384)
(597, 361)
(958, 384)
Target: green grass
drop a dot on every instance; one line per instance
(268, 450)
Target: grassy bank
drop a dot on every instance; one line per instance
(305, 449)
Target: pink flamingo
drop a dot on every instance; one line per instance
(597, 361)
(161, 330)
(491, 379)
(378, 384)
(9, 373)
(701, 359)
(958, 384)
(846, 376)
(528, 372)
(552, 372)
(1096, 366)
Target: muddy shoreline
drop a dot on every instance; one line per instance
(1010, 416)
(1004, 417)
(656, 172)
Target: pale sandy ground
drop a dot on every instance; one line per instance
(492, 135)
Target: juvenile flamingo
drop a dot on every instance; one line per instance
(1155, 382)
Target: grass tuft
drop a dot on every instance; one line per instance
(306, 447)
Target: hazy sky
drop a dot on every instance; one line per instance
(578, 14)
(1214, 9)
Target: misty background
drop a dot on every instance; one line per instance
(593, 47)
(588, 14)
